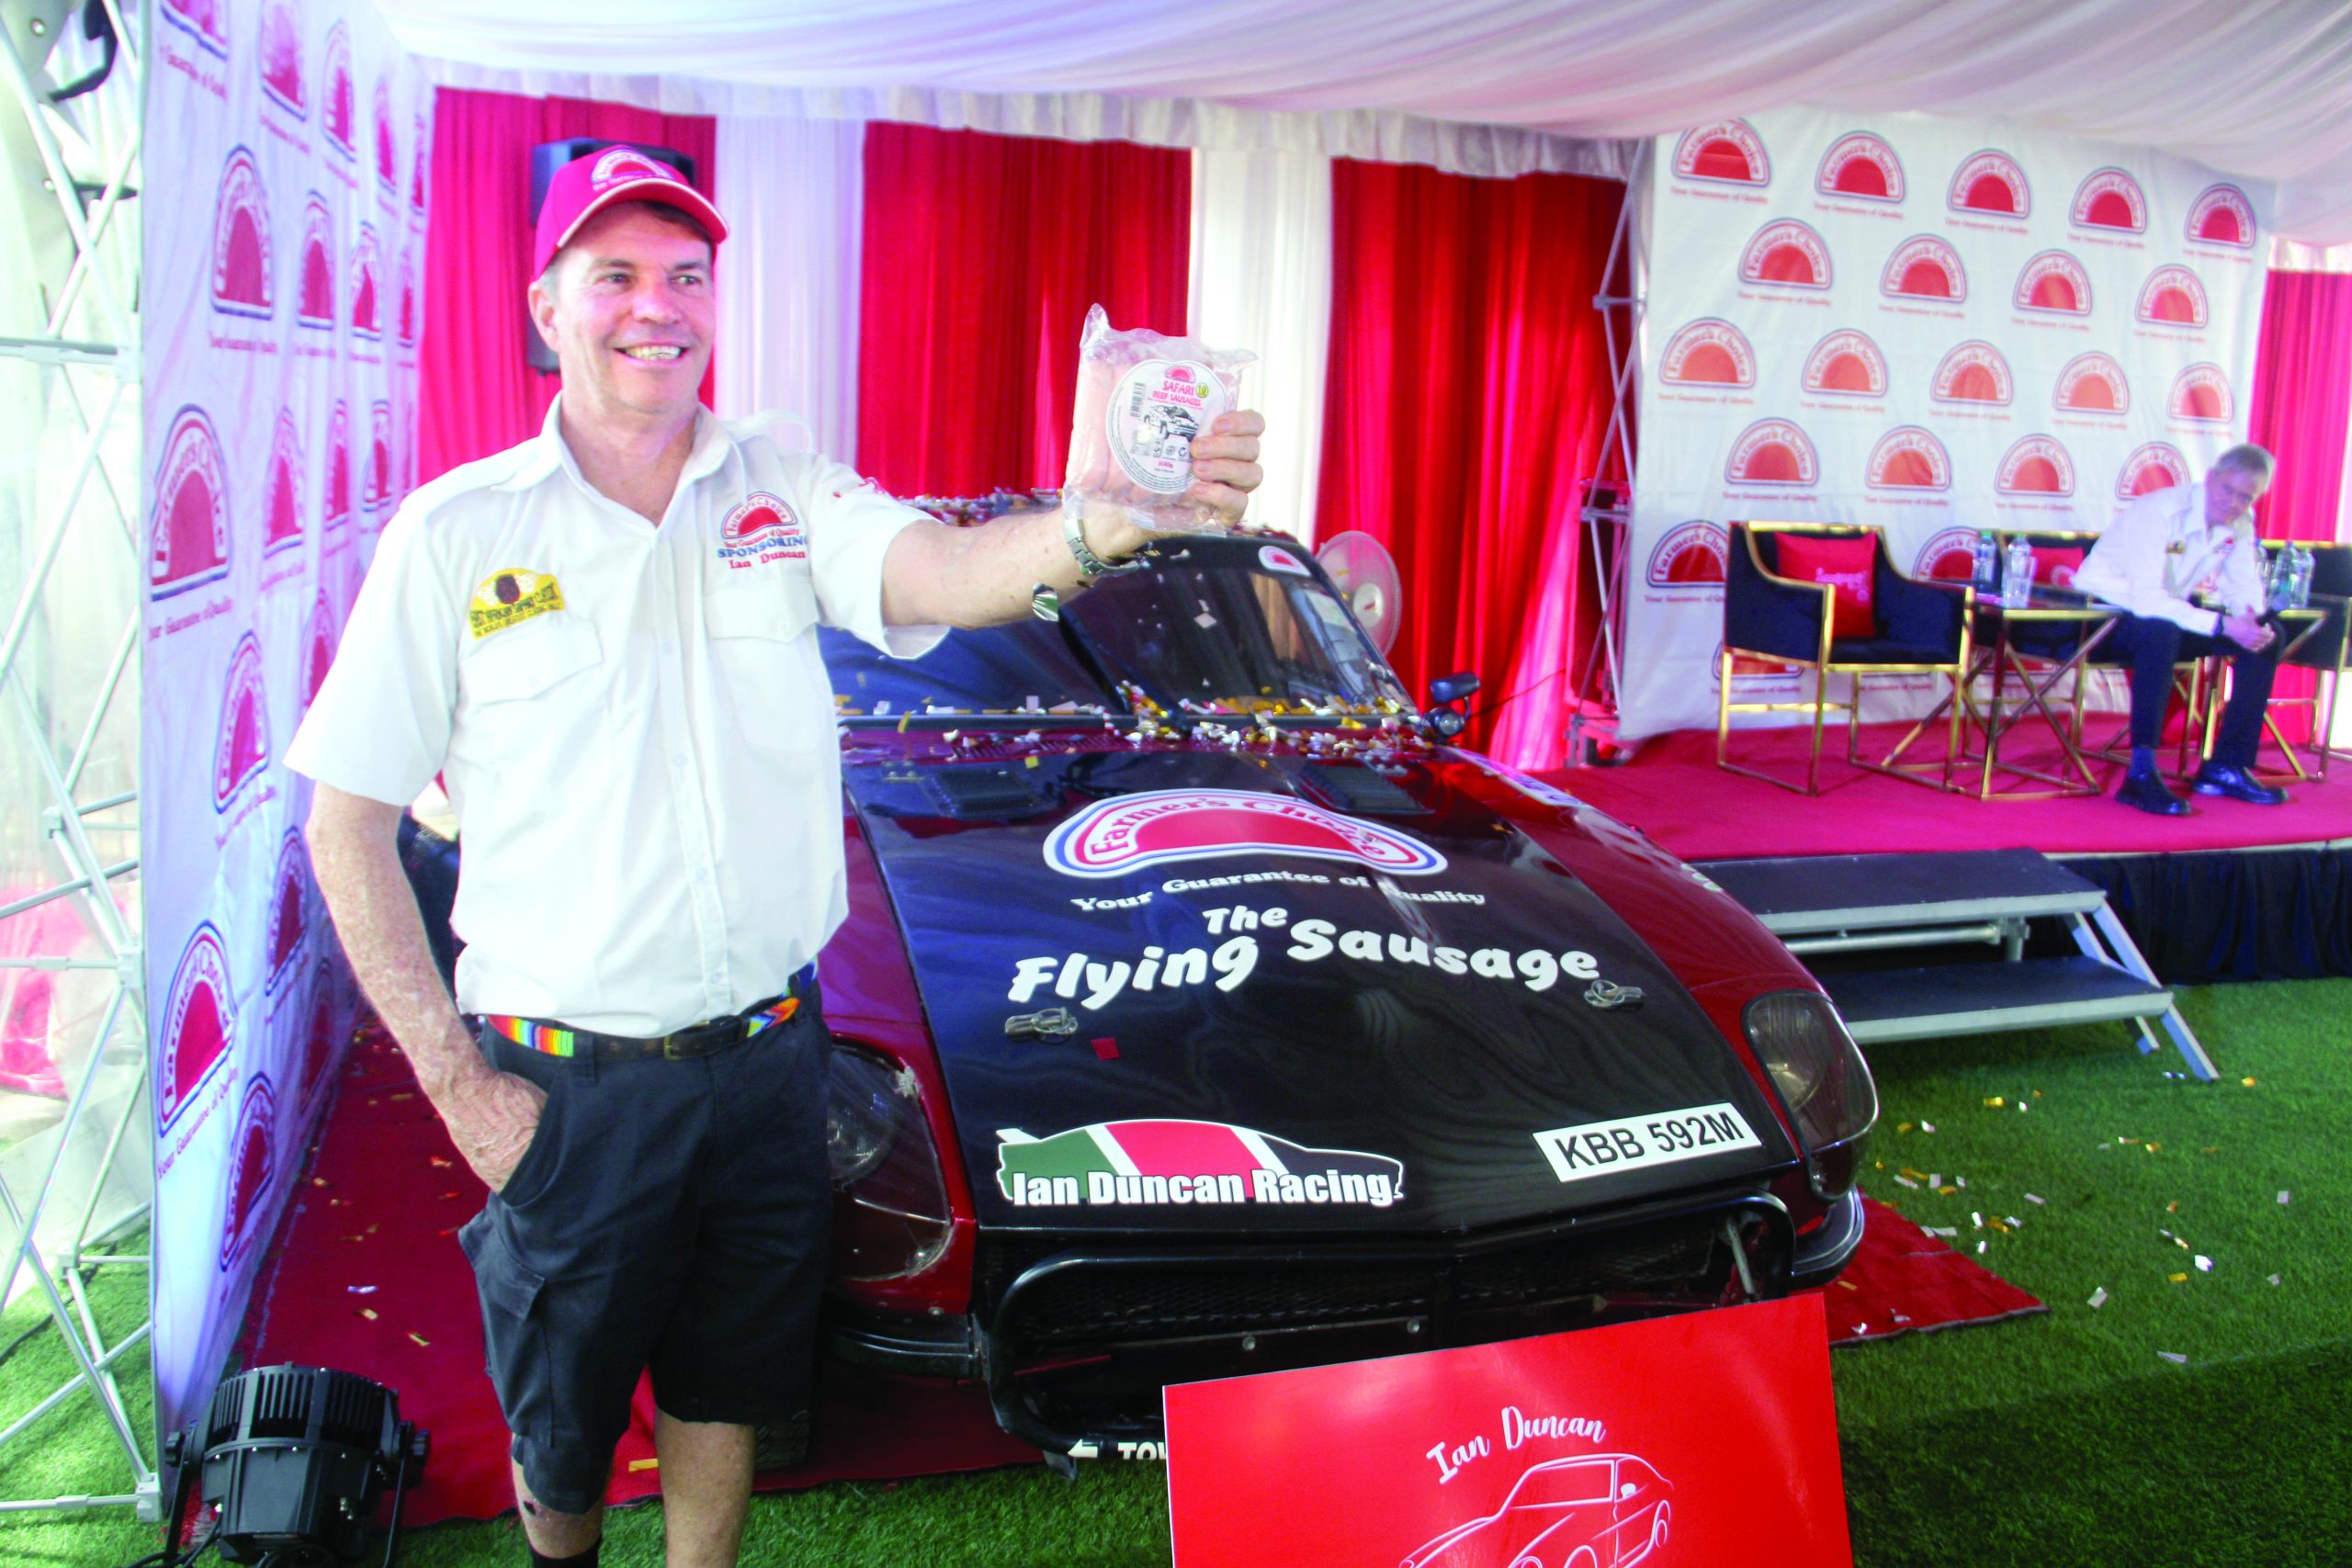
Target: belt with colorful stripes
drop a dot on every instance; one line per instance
(553, 1039)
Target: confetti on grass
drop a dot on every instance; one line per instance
(2175, 1356)
(2099, 1297)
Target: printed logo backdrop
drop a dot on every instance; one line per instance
(273, 213)
(1932, 325)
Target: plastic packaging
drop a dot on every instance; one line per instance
(1142, 397)
(2016, 577)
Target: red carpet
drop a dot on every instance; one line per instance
(1673, 791)
(367, 1277)
(1906, 1281)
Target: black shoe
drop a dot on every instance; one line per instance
(2150, 793)
(2216, 778)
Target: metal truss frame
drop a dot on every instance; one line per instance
(1605, 509)
(89, 352)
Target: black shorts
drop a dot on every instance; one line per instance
(667, 1214)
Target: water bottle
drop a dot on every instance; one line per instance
(2302, 578)
(2017, 579)
(2278, 578)
(1987, 574)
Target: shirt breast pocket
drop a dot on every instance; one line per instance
(753, 629)
(525, 661)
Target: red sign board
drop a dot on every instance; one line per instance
(1679, 1442)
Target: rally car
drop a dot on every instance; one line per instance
(1202, 1010)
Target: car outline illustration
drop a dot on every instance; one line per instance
(1637, 1505)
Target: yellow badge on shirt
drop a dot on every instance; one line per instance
(509, 598)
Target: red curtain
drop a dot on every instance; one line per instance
(476, 394)
(1469, 393)
(2302, 403)
(981, 255)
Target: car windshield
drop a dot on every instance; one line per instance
(1557, 1487)
(1235, 626)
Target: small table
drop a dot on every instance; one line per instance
(1994, 627)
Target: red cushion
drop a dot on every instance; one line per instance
(2056, 564)
(1845, 565)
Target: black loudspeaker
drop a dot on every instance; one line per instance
(546, 159)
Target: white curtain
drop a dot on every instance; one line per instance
(1261, 280)
(2259, 88)
(793, 191)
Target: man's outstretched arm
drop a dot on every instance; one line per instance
(940, 575)
(354, 854)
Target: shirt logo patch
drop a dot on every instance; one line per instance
(763, 528)
(509, 598)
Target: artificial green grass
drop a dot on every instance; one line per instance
(2057, 1439)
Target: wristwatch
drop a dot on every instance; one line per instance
(1090, 565)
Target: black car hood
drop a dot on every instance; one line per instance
(1382, 1052)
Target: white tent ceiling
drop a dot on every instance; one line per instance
(2259, 88)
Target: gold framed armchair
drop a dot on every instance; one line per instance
(1916, 628)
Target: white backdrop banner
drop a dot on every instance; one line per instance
(284, 212)
(1931, 325)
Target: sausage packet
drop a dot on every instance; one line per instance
(1142, 396)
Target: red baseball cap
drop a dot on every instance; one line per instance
(594, 181)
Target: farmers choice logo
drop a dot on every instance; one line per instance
(2200, 395)
(2157, 466)
(378, 493)
(1274, 557)
(1973, 372)
(1156, 1164)
(289, 910)
(241, 746)
(2092, 383)
(207, 21)
(2172, 297)
(1692, 554)
(1923, 267)
(1786, 254)
(1846, 364)
(1860, 166)
(199, 1020)
(509, 598)
(1991, 183)
(314, 296)
(318, 648)
(338, 487)
(253, 1170)
(241, 253)
(1909, 457)
(1723, 152)
(337, 102)
(283, 526)
(1948, 556)
(2222, 216)
(189, 533)
(2109, 198)
(280, 58)
(2037, 465)
(2053, 284)
(1132, 832)
(762, 527)
(388, 163)
(367, 311)
(618, 165)
(1772, 451)
(1709, 352)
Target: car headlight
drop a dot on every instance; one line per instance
(1823, 1080)
(891, 1216)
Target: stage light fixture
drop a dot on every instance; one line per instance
(292, 1461)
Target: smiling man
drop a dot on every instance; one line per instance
(2160, 555)
(604, 641)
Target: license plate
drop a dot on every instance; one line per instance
(1631, 1143)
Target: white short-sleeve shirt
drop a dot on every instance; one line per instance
(632, 721)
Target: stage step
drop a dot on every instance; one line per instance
(1969, 998)
(1866, 904)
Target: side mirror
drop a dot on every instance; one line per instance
(1447, 689)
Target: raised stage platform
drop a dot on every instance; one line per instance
(2233, 891)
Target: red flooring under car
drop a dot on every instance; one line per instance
(367, 1276)
(1674, 792)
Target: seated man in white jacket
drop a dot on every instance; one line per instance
(2159, 554)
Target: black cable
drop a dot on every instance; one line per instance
(169, 1557)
